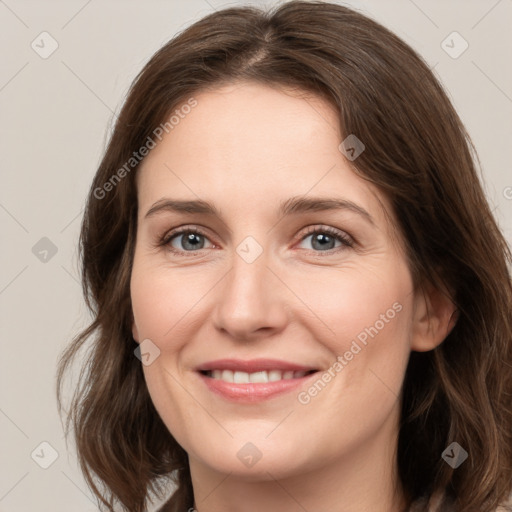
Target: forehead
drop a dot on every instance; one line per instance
(247, 145)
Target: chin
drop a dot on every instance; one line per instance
(257, 460)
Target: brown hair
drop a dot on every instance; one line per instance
(418, 154)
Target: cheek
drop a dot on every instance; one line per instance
(366, 319)
(161, 300)
(373, 360)
(173, 404)
(160, 303)
(352, 303)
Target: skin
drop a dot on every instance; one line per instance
(246, 148)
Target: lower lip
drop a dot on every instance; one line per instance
(253, 391)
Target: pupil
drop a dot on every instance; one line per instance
(192, 239)
(323, 240)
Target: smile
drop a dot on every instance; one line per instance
(251, 381)
(261, 376)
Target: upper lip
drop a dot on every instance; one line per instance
(253, 365)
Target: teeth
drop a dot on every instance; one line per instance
(227, 375)
(241, 378)
(256, 377)
(274, 375)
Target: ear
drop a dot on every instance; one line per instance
(434, 317)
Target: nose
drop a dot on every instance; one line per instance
(251, 300)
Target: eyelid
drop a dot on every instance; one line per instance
(181, 230)
(339, 234)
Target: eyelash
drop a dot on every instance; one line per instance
(346, 241)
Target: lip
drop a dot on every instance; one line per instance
(253, 391)
(253, 365)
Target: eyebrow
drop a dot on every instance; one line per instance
(294, 205)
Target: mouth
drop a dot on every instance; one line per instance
(240, 377)
(253, 381)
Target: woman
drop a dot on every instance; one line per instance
(301, 298)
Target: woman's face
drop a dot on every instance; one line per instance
(293, 268)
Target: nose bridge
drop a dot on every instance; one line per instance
(250, 297)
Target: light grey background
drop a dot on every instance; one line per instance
(56, 116)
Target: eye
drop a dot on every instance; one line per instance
(186, 239)
(324, 239)
(190, 239)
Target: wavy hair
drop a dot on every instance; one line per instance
(418, 154)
